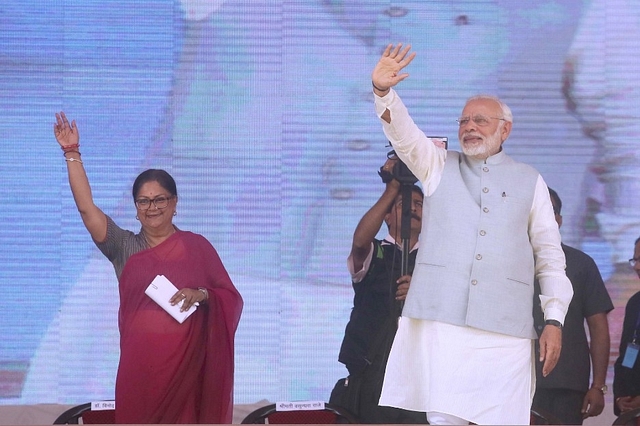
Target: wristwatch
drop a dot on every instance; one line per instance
(604, 389)
(554, 322)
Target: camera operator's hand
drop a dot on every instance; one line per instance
(403, 287)
(386, 171)
(386, 73)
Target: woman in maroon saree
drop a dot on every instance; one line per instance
(169, 372)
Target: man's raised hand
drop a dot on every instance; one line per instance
(386, 73)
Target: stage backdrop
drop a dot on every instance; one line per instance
(263, 112)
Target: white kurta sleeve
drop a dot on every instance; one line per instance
(555, 288)
(413, 147)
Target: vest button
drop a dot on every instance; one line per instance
(485, 189)
(485, 209)
(474, 282)
(479, 256)
(483, 233)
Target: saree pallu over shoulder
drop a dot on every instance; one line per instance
(171, 372)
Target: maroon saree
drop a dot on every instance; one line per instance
(171, 372)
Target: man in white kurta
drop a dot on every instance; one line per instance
(463, 350)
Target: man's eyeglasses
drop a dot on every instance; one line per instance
(160, 202)
(480, 120)
(633, 261)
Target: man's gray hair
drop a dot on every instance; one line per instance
(506, 111)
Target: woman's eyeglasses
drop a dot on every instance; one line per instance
(160, 202)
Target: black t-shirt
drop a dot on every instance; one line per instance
(373, 303)
(590, 297)
(626, 381)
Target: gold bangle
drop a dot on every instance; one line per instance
(205, 292)
(76, 160)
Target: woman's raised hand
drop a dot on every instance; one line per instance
(386, 73)
(66, 134)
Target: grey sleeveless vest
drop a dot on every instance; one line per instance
(475, 266)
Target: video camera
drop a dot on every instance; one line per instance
(400, 171)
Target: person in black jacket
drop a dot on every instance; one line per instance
(566, 392)
(626, 376)
(375, 267)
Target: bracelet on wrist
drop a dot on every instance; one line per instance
(379, 89)
(73, 147)
(555, 323)
(73, 160)
(205, 292)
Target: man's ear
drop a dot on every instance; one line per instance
(505, 131)
(387, 218)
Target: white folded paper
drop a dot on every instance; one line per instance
(161, 290)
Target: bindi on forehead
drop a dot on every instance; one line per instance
(151, 189)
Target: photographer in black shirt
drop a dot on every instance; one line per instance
(375, 267)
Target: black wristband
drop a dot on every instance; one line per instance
(377, 88)
(555, 323)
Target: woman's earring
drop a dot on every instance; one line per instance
(137, 218)
(175, 213)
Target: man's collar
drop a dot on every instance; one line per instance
(389, 240)
(494, 159)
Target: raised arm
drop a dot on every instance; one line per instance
(386, 73)
(69, 139)
(372, 220)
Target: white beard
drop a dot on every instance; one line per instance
(489, 146)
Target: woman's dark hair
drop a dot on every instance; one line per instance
(154, 175)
